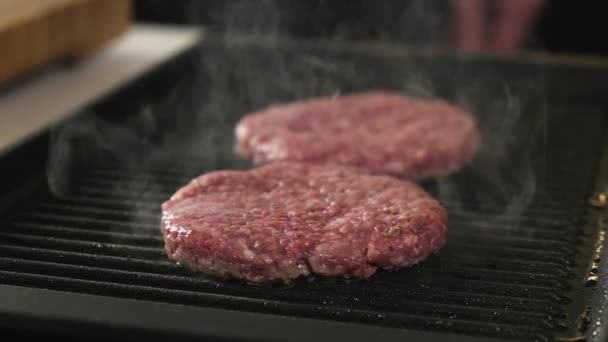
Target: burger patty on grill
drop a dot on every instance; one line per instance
(284, 220)
(378, 131)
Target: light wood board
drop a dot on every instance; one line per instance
(34, 33)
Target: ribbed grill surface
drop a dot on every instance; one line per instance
(503, 273)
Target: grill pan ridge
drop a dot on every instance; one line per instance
(503, 275)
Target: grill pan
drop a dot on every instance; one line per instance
(80, 245)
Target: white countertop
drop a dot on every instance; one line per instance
(51, 95)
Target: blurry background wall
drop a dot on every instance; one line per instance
(563, 26)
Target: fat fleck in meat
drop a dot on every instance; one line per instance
(285, 220)
(379, 132)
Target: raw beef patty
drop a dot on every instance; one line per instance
(284, 220)
(379, 132)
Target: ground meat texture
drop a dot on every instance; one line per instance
(379, 132)
(286, 220)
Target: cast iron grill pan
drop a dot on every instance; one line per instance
(503, 273)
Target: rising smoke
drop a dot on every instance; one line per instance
(249, 63)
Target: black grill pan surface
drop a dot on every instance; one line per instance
(80, 244)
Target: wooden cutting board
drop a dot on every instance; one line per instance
(34, 33)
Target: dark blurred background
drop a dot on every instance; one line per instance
(563, 26)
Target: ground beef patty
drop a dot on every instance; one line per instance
(379, 132)
(285, 220)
